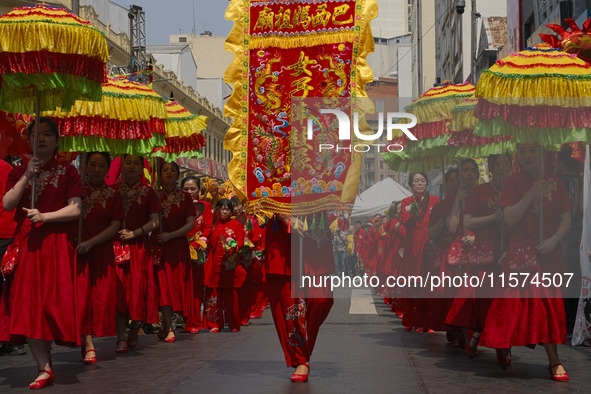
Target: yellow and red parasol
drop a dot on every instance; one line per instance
(184, 135)
(469, 145)
(539, 95)
(51, 54)
(433, 111)
(130, 119)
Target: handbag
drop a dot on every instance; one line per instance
(156, 249)
(10, 259)
(457, 254)
(521, 257)
(122, 253)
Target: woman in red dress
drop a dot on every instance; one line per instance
(136, 293)
(482, 215)
(39, 301)
(297, 319)
(198, 242)
(223, 271)
(526, 316)
(173, 273)
(450, 242)
(393, 254)
(246, 293)
(414, 216)
(102, 210)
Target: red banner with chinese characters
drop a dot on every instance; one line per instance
(286, 50)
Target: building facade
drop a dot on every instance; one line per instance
(454, 52)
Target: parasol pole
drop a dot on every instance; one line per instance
(35, 141)
(301, 258)
(443, 176)
(542, 196)
(502, 183)
(156, 184)
(83, 176)
(465, 231)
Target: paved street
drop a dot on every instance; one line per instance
(362, 348)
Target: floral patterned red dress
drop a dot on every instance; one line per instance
(530, 315)
(95, 270)
(40, 298)
(223, 274)
(203, 225)
(173, 274)
(470, 307)
(416, 223)
(136, 291)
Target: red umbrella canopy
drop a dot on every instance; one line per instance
(49, 52)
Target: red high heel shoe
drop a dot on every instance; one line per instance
(132, 337)
(472, 344)
(170, 340)
(122, 346)
(502, 358)
(559, 377)
(89, 360)
(39, 384)
(301, 377)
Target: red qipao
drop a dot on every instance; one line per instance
(518, 319)
(173, 274)
(40, 298)
(470, 308)
(393, 260)
(136, 292)
(372, 250)
(247, 293)
(417, 235)
(223, 274)
(259, 302)
(444, 259)
(203, 226)
(96, 277)
(297, 319)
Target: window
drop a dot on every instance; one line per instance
(182, 39)
(381, 165)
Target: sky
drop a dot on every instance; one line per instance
(164, 18)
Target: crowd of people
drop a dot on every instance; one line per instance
(85, 259)
(96, 260)
(491, 228)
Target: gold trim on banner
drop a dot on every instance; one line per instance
(239, 42)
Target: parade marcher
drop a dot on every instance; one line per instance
(570, 170)
(246, 293)
(529, 315)
(414, 216)
(297, 318)
(450, 242)
(102, 211)
(173, 272)
(223, 271)
(198, 244)
(7, 227)
(136, 292)
(483, 216)
(393, 253)
(41, 303)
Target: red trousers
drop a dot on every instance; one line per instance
(221, 305)
(297, 320)
(245, 296)
(258, 299)
(196, 321)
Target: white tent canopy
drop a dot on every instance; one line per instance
(378, 198)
